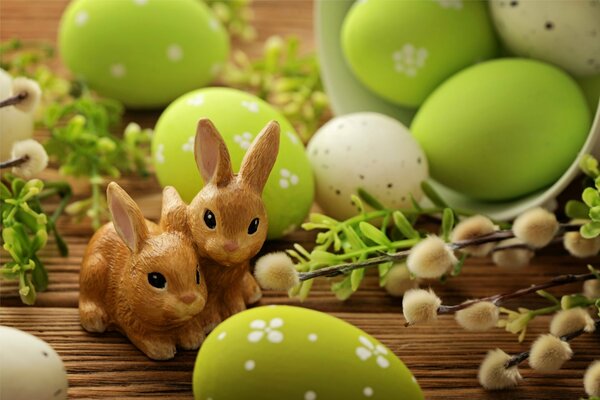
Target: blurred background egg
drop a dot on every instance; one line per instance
(29, 368)
(144, 53)
(564, 33)
(370, 151)
(239, 117)
(502, 129)
(282, 352)
(402, 50)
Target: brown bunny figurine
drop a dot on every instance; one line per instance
(227, 218)
(143, 279)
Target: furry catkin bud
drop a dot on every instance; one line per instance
(579, 246)
(536, 227)
(420, 306)
(479, 317)
(276, 271)
(471, 228)
(591, 289)
(399, 281)
(549, 353)
(31, 91)
(591, 379)
(430, 258)
(37, 158)
(513, 257)
(571, 320)
(492, 374)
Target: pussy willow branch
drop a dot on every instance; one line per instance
(15, 162)
(519, 358)
(345, 268)
(11, 101)
(503, 297)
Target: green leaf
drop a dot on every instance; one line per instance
(323, 257)
(369, 199)
(589, 166)
(352, 237)
(39, 276)
(356, 278)
(342, 289)
(548, 296)
(404, 226)
(4, 192)
(384, 269)
(590, 230)
(595, 213)
(305, 289)
(447, 223)
(457, 269)
(26, 290)
(322, 219)
(432, 195)
(591, 197)
(374, 234)
(576, 210)
(358, 203)
(415, 204)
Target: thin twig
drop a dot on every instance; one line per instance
(11, 101)
(503, 297)
(345, 268)
(519, 358)
(14, 162)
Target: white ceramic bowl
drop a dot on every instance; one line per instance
(347, 95)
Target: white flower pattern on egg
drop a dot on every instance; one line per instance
(251, 106)
(456, 4)
(196, 101)
(174, 52)
(81, 18)
(293, 138)
(409, 60)
(310, 395)
(244, 140)
(160, 154)
(287, 178)
(140, 2)
(260, 329)
(118, 70)
(189, 145)
(368, 350)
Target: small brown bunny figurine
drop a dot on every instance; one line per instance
(228, 220)
(143, 279)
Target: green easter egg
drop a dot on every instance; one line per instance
(591, 88)
(282, 352)
(502, 129)
(144, 53)
(239, 117)
(402, 50)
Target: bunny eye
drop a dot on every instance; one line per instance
(157, 280)
(253, 227)
(197, 274)
(210, 220)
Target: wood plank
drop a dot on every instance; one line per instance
(108, 366)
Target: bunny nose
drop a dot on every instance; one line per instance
(188, 298)
(231, 245)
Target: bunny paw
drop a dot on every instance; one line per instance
(191, 340)
(93, 317)
(250, 289)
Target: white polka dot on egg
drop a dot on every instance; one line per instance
(368, 391)
(310, 395)
(118, 70)
(174, 52)
(81, 18)
(249, 365)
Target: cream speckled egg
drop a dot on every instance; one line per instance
(30, 368)
(564, 33)
(370, 151)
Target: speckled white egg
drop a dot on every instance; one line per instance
(370, 151)
(30, 368)
(564, 33)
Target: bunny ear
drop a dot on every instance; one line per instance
(173, 213)
(212, 157)
(127, 217)
(260, 158)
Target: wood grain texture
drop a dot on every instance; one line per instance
(443, 357)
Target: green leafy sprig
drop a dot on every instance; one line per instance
(82, 143)
(25, 229)
(236, 16)
(589, 208)
(290, 82)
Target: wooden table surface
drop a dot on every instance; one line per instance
(443, 357)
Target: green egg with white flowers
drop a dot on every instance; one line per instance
(239, 117)
(144, 53)
(503, 129)
(402, 50)
(283, 352)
